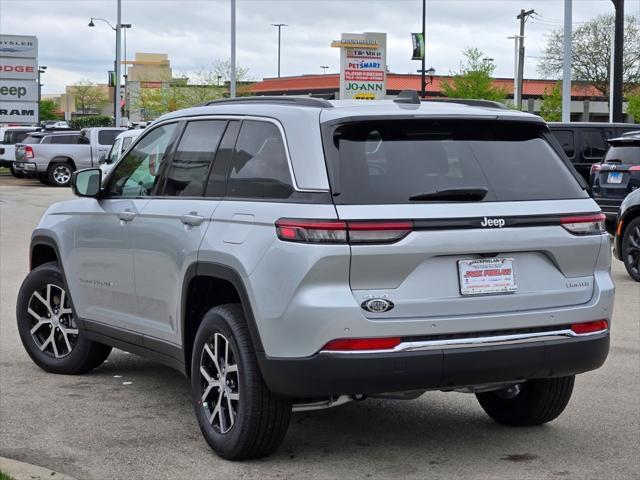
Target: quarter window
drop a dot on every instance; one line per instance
(259, 168)
(107, 137)
(137, 174)
(187, 173)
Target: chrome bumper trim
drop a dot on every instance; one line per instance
(490, 341)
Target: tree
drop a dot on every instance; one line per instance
(474, 80)
(551, 107)
(49, 110)
(591, 52)
(89, 97)
(633, 107)
(222, 70)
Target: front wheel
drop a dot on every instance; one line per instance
(630, 249)
(237, 414)
(48, 326)
(59, 174)
(533, 402)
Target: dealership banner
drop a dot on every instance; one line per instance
(18, 79)
(363, 65)
(418, 46)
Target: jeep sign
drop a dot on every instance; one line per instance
(19, 79)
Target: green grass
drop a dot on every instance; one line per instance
(4, 476)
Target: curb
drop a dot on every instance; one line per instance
(25, 471)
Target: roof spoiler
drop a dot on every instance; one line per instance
(276, 100)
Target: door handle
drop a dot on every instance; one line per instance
(126, 216)
(192, 219)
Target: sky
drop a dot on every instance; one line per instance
(196, 32)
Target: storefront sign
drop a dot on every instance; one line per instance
(363, 65)
(19, 90)
(18, 79)
(18, 68)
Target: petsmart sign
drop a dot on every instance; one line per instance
(363, 65)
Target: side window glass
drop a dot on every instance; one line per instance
(217, 182)
(126, 141)
(187, 172)
(594, 144)
(137, 173)
(107, 137)
(565, 139)
(114, 152)
(259, 167)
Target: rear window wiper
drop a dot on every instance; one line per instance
(468, 194)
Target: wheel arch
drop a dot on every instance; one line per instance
(629, 215)
(43, 249)
(220, 284)
(62, 159)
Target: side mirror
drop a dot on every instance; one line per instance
(103, 158)
(86, 183)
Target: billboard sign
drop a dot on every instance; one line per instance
(363, 65)
(18, 79)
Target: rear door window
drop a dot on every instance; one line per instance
(64, 139)
(594, 145)
(388, 162)
(107, 137)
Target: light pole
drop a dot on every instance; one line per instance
(423, 81)
(516, 84)
(116, 91)
(430, 72)
(279, 27)
(324, 68)
(232, 74)
(41, 69)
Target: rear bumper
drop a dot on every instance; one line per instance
(609, 206)
(327, 374)
(26, 167)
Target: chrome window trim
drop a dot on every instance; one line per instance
(254, 118)
(474, 342)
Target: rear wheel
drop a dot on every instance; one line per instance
(237, 414)
(533, 402)
(48, 326)
(630, 249)
(59, 174)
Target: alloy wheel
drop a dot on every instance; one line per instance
(62, 174)
(219, 383)
(52, 325)
(631, 253)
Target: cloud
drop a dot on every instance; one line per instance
(194, 33)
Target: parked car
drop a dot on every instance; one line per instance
(616, 176)
(37, 137)
(627, 240)
(295, 254)
(9, 136)
(585, 143)
(54, 162)
(122, 143)
(631, 133)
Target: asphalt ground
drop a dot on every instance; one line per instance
(132, 418)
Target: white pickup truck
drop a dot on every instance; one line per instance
(55, 162)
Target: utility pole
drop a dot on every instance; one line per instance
(232, 80)
(279, 26)
(515, 39)
(423, 80)
(567, 60)
(616, 105)
(523, 18)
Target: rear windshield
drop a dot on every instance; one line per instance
(625, 154)
(388, 162)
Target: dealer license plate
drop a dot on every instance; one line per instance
(614, 177)
(484, 276)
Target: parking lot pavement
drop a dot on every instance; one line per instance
(101, 426)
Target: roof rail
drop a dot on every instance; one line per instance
(408, 96)
(472, 102)
(278, 100)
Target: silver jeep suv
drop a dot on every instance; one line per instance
(290, 254)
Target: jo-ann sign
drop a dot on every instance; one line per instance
(363, 65)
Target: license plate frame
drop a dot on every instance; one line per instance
(614, 177)
(487, 276)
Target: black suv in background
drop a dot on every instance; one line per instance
(585, 143)
(617, 175)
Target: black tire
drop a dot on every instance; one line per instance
(538, 401)
(261, 418)
(84, 354)
(43, 178)
(630, 249)
(16, 173)
(59, 173)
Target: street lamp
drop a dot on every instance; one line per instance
(279, 26)
(430, 72)
(324, 68)
(41, 69)
(117, 28)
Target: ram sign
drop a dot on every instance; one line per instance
(363, 65)
(18, 79)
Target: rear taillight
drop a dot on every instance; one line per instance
(584, 224)
(635, 168)
(360, 344)
(590, 327)
(336, 231)
(595, 168)
(28, 152)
